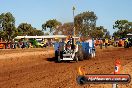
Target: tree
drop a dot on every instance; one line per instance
(123, 28)
(8, 29)
(34, 32)
(96, 33)
(84, 23)
(121, 25)
(2, 34)
(51, 24)
(24, 29)
(65, 29)
(27, 29)
(39, 32)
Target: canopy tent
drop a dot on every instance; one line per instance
(48, 36)
(44, 37)
(129, 35)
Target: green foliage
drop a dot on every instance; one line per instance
(52, 24)
(100, 32)
(1, 34)
(96, 33)
(85, 25)
(84, 22)
(39, 32)
(24, 29)
(121, 24)
(123, 28)
(122, 34)
(9, 30)
(27, 29)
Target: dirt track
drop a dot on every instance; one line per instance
(35, 68)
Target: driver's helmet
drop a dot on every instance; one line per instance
(68, 42)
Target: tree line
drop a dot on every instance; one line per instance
(84, 23)
(9, 31)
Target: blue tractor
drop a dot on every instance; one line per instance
(71, 51)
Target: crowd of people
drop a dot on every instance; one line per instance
(103, 42)
(33, 43)
(124, 42)
(24, 43)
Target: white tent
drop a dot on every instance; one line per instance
(129, 34)
(47, 36)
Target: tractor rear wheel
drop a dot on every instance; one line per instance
(76, 57)
(80, 54)
(57, 59)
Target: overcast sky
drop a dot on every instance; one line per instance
(37, 12)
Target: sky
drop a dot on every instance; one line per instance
(37, 12)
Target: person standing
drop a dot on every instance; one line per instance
(100, 43)
(106, 43)
(91, 46)
(126, 43)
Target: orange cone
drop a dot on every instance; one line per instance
(117, 66)
(117, 71)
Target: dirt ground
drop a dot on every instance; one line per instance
(35, 68)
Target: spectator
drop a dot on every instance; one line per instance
(106, 43)
(100, 43)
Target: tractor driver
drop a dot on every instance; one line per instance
(68, 45)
